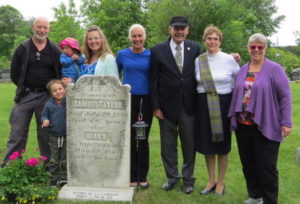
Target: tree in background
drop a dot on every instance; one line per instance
(66, 24)
(13, 28)
(260, 16)
(114, 17)
(236, 19)
(286, 59)
(10, 20)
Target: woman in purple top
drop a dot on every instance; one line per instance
(260, 113)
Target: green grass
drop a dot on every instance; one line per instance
(235, 192)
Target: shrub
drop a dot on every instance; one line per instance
(25, 180)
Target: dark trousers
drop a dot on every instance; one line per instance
(20, 118)
(259, 158)
(58, 160)
(140, 148)
(169, 131)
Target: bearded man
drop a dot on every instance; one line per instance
(35, 62)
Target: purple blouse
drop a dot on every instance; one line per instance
(270, 99)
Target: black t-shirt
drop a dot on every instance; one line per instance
(40, 67)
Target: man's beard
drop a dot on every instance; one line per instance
(39, 36)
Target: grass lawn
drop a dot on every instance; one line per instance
(235, 192)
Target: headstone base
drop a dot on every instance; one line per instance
(103, 194)
(298, 155)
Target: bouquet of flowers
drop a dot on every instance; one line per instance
(25, 180)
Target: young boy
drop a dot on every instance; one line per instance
(54, 117)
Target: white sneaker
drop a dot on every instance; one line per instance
(253, 201)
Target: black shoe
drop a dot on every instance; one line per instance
(169, 185)
(208, 191)
(187, 189)
(144, 186)
(61, 183)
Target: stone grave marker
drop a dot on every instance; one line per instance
(298, 155)
(98, 140)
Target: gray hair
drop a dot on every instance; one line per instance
(40, 18)
(258, 37)
(136, 26)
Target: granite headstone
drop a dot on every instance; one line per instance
(98, 140)
(298, 155)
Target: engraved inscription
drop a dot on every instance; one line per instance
(103, 104)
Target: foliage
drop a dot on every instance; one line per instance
(12, 25)
(4, 62)
(25, 180)
(286, 59)
(66, 24)
(114, 17)
(258, 16)
(293, 49)
(236, 19)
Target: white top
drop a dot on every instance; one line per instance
(223, 68)
(173, 46)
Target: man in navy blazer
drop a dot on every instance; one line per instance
(173, 92)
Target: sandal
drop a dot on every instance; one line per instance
(133, 184)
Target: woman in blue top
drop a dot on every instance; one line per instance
(133, 63)
(99, 59)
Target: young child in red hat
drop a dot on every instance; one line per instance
(70, 60)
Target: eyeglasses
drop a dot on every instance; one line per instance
(38, 56)
(93, 38)
(212, 39)
(254, 47)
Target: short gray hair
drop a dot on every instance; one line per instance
(40, 18)
(136, 26)
(258, 37)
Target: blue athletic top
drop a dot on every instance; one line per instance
(135, 70)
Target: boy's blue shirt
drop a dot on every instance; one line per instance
(56, 114)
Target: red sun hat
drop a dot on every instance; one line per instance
(71, 42)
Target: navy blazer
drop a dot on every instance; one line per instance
(170, 89)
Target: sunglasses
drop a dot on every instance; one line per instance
(254, 47)
(38, 56)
